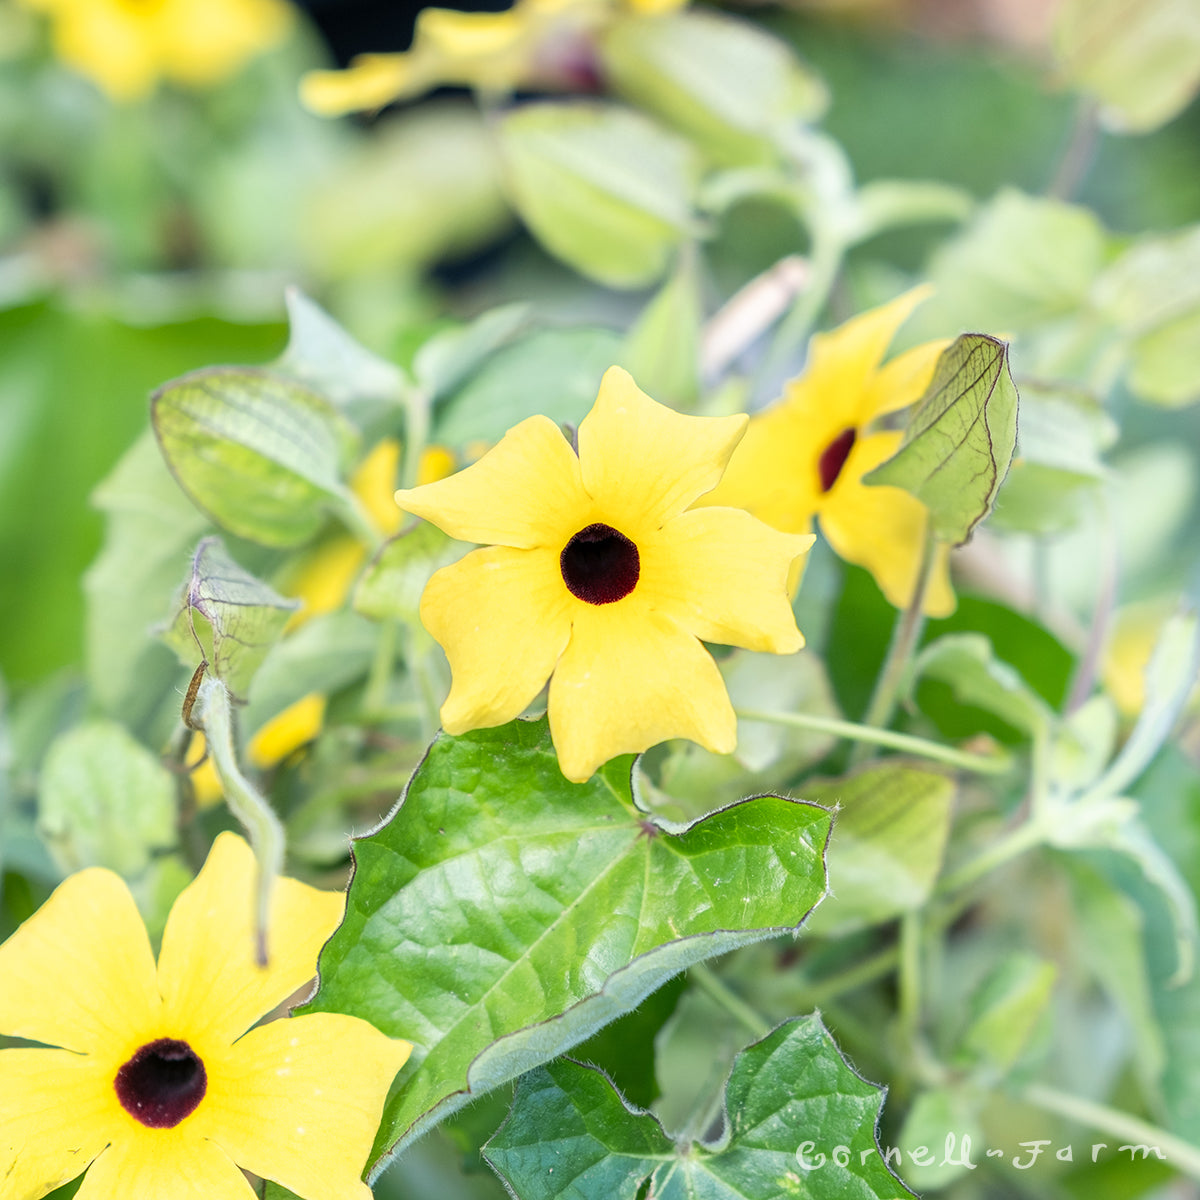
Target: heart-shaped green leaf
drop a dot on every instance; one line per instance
(502, 914)
(800, 1123)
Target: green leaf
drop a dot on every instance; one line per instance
(553, 371)
(731, 87)
(227, 617)
(801, 1123)
(965, 661)
(130, 586)
(260, 454)
(959, 441)
(1152, 294)
(1023, 261)
(1005, 1009)
(393, 581)
(105, 800)
(449, 358)
(888, 842)
(323, 357)
(601, 187)
(946, 1121)
(1139, 58)
(502, 915)
(662, 350)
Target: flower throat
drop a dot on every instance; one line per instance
(162, 1083)
(600, 565)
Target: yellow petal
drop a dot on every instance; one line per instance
(287, 731)
(79, 973)
(468, 35)
(371, 81)
(201, 42)
(211, 986)
(722, 575)
(165, 1164)
(437, 462)
(40, 1148)
(631, 678)
(107, 43)
(643, 462)
(206, 783)
(298, 1101)
(883, 529)
(524, 492)
(773, 472)
(374, 483)
(842, 361)
(502, 616)
(902, 381)
(323, 577)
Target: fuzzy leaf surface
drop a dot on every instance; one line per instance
(261, 454)
(502, 914)
(570, 1134)
(959, 443)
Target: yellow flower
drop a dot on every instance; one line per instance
(155, 1081)
(806, 456)
(600, 577)
(127, 46)
(287, 731)
(536, 43)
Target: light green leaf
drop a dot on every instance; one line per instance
(601, 187)
(885, 204)
(959, 441)
(322, 356)
(943, 1122)
(227, 617)
(889, 838)
(105, 800)
(1082, 745)
(728, 85)
(129, 587)
(393, 581)
(554, 371)
(502, 914)
(965, 661)
(1005, 1009)
(662, 350)
(260, 454)
(1023, 261)
(449, 358)
(1139, 58)
(1152, 294)
(800, 1123)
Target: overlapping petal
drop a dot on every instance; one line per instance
(165, 1164)
(722, 575)
(212, 923)
(39, 1149)
(503, 618)
(643, 462)
(883, 529)
(86, 958)
(629, 679)
(903, 380)
(525, 492)
(299, 1098)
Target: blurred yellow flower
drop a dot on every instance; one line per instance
(1132, 638)
(157, 1080)
(536, 43)
(599, 576)
(806, 456)
(128, 46)
(287, 731)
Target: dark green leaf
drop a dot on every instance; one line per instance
(503, 915)
(960, 439)
(801, 1123)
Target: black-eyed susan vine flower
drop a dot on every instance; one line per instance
(535, 44)
(805, 457)
(599, 576)
(147, 1076)
(128, 46)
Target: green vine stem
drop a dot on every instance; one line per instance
(1182, 1155)
(982, 764)
(713, 986)
(213, 712)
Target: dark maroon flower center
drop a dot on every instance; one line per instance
(162, 1083)
(600, 565)
(833, 458)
